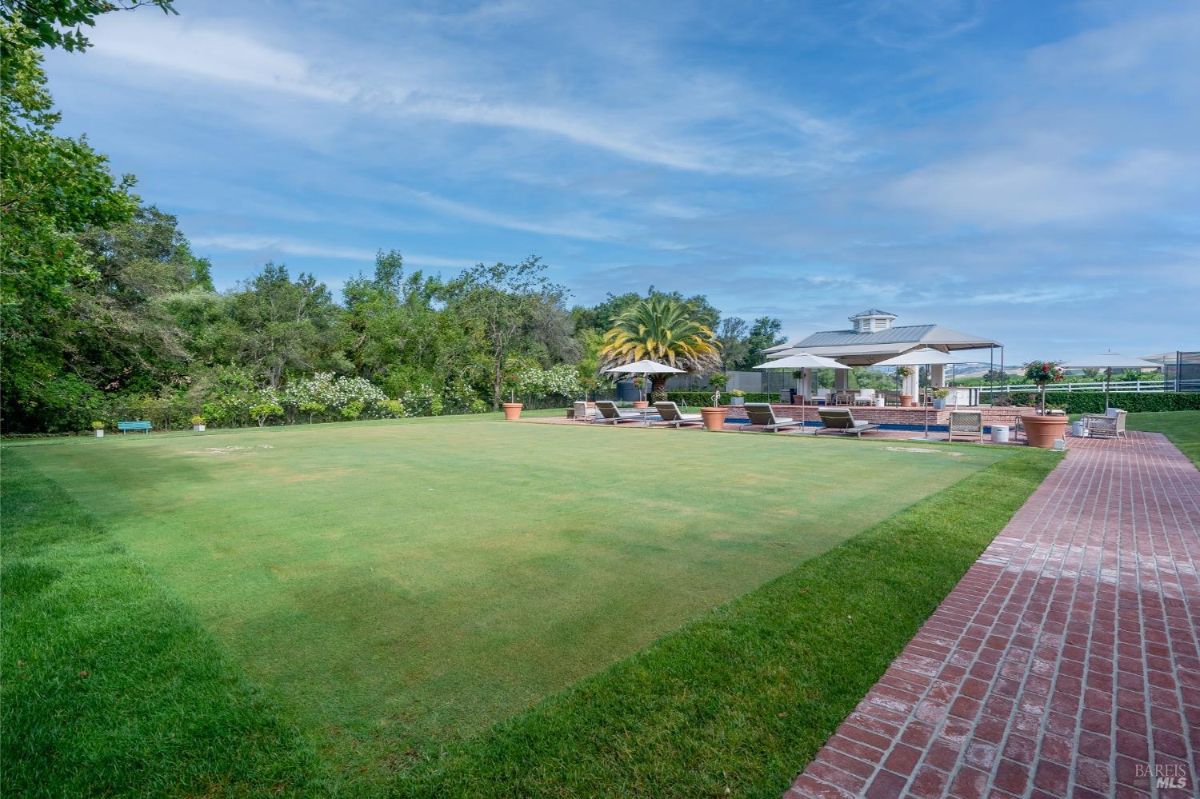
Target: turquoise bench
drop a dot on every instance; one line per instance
(125, 427)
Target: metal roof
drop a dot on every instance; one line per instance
(893, 335)
(866, 348)
(873, 312)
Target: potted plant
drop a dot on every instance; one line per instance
(906, 400)
(714, 415)
(1043, 429)
(737, 397)
(641, 383)
(198, 423)
(98, 426)
(512, 408)
(939, 397)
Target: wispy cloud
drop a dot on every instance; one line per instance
(700, 123)
(271, 246)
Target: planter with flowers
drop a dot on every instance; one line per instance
(939, 398)
(906, 400)
(99, 428)
(198, 423)
(737, 397)
(1042, 429)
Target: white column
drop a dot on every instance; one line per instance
(805, 382)
(912, 384)
(937, 375)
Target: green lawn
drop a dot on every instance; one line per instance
(1182, 427)
(408, 595)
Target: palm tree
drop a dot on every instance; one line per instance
(660, 329)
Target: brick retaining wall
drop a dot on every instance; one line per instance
(890, 415)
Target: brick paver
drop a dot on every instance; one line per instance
(1065, 662)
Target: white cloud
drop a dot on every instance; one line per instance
(224, 54)
(1033, 187)
(695, 122)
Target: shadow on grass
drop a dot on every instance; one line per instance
(110, 686)
(737, 702)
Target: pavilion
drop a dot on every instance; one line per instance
(874, 337)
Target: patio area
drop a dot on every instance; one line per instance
(894, 422)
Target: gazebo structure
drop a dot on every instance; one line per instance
(874, 337)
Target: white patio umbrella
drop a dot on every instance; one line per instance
(644, 368)
(926, 356)
(1109, 361)
(802, 360)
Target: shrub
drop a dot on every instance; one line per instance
(421, 401)
(263, 411)
(323, 393)
(1132, 401)
(560, 381)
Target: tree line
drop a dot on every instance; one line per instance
(107, 311)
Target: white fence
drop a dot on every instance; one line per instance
(1148, 386)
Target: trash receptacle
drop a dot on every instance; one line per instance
(1000, 433)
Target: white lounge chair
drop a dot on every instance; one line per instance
(611, 414)
(841, 420)
(865, 396)
(763, 415)
(673, 417)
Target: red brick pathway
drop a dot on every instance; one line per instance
(1065, 663)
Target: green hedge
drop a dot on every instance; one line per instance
(704, 398)
(1093, 401)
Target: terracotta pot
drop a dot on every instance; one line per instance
(641, 403)
(512, 411)
(1043, 431)
(906, 401)
(714, 418)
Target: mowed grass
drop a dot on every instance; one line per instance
(561, 551)
(1182, 427)
(110, 686)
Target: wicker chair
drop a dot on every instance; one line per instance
(966, 423)
(1103, 425)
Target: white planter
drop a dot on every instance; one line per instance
(199, 428)
(99, 434)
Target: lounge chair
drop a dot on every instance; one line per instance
(841, 420)
(1105, 425)
(611, 414)
(672, 416)
(966, 423)
(763, 415)
(865, 396)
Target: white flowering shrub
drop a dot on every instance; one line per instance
(324, 395)
(561, 381)
(421, 401)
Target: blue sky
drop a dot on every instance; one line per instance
(1026, 171)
